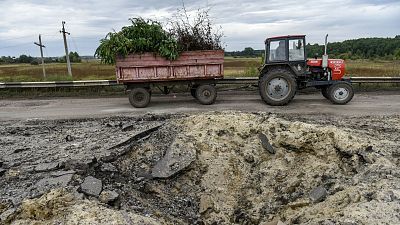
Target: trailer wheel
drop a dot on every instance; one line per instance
(139, 97)
(278, 87)
(206, 94)
(340, 93)
(324, 92)
(193, 92)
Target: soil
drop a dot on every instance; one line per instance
(201, 168)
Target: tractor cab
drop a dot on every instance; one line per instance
(286, 70)
(287, 50)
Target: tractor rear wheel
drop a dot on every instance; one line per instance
(278, 87)
(139, 97)
(206, 94)
(324, 92)
(340, 93)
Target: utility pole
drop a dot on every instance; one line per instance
(66, 48)
(41, 54)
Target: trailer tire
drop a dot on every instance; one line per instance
(206, 94)
(139, 97)
(193, 92)
(341, 93)
(278, 87)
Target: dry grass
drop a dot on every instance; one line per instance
(234, 67)
(370, 68)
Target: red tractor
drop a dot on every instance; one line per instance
(287, 70)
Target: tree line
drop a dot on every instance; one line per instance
(362, 48)
(73, 56)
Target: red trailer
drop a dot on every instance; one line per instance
(196, 69)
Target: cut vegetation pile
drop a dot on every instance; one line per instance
(146, 35)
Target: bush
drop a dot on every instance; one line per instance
(196, 35)
(141, 36)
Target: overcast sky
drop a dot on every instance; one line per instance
(244, 23)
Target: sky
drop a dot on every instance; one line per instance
(244, 23)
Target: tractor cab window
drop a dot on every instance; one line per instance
(296, 50)
(277, 50)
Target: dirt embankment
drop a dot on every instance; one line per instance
(201, 169)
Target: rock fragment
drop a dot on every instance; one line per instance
(318, 194)
(69, 138)
(108, 197)
(91, 186)
(80, 165)
(48, 183)
(178, 156)
(6, 216)
(108, 167)
(44, 167)
(2, 171)
(274, 222)
(265, 143)
(62, 173)
(206, 203)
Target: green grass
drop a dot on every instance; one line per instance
(233, 67)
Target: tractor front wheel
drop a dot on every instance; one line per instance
(340, 93)
(278, 87)
(324, 92)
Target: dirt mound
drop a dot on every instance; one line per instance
(214, 169)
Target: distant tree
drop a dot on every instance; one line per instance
(397, 54)
(248, 51)
(73, 58)
(24, 59)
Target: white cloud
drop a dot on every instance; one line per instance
(245, 23)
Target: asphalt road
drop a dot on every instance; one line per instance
(368, 103)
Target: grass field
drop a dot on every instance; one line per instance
(233, 67)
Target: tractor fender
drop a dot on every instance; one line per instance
(266, 68)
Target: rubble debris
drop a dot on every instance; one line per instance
(178, 156)
(19, 150)
(228, 177)
(53, 182)
(274, 222)
(108, 197)
(265, 143)
(108, 167)
(91, 186)
(318, 194)
(80, 165)
(2, 171)
(7, 215)
(206, 203)
(62, 173)
(44, 167)
(125, 146)
(69, 138)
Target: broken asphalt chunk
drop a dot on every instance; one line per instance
(178, 156)
(92, 186)
(2, 171)
(265, 143)
(44, 167)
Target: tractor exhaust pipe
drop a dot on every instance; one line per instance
(325, 58)
(326, 43)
